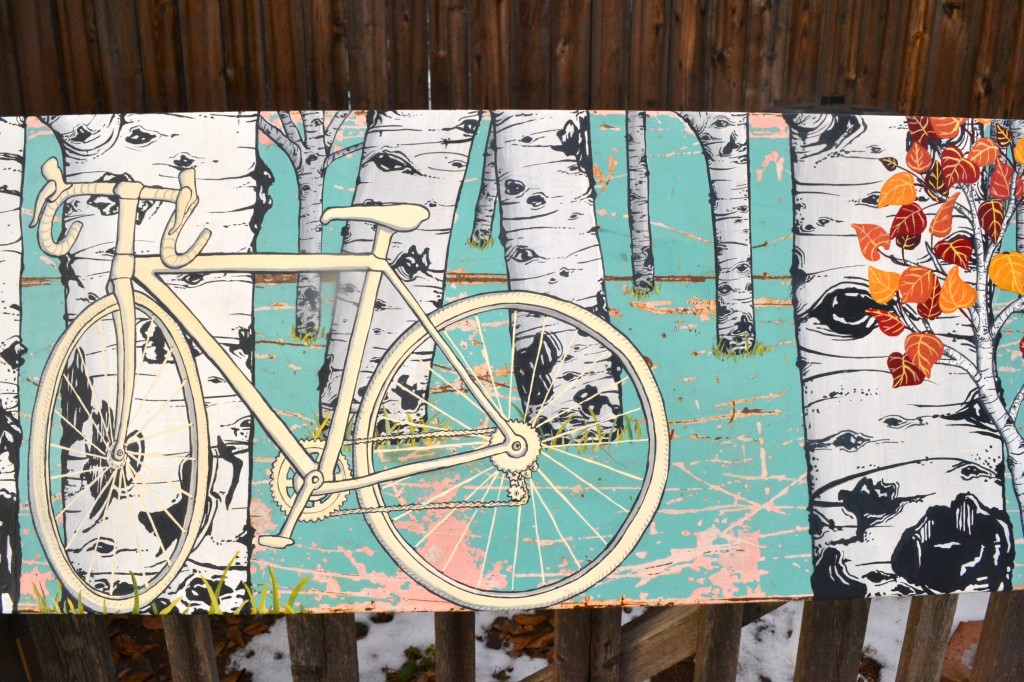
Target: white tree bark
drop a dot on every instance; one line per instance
(310, 154)
(12, 167)
(723, 138)
(231, 182)
(906, 485)
(550, 236)
(639, 202)
(487, 200)
(416, 157)
(1016, 127)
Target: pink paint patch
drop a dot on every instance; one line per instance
(34, 583)
(768, 126)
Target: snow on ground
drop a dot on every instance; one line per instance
(767, 648)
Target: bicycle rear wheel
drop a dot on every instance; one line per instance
(118, 528)
(515, 532)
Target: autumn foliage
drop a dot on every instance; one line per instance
(955, 190)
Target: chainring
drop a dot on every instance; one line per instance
(284, 484)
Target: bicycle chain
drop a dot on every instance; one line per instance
(429, 505)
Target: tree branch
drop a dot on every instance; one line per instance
(346, 151)
(331, 134)
(958, 359)
(280, 139)
(1015, 405)
(290, 128)
(1004, 315)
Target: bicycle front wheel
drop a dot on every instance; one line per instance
(511, 531)
(117, 528)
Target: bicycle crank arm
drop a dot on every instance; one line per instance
(310, 483)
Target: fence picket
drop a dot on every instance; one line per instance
(455, 643)
(831, 640)
(323, 647)
(1000, 656)
(190, 648)
(927, 634)
(718, 646)
(75, 648)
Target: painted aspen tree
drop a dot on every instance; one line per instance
(12, 166)
(231, 183)
(906, 488)
(638, 176)
(549, 233)
(723, 139)
(1016, 128)
(417, 157)
(310, 152)
(487, 200)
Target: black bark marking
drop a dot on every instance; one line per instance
(10, 537)
(832, 580)
(871, 503)
(534, 364)
(14, 354)
(166, 523)
(575, 142)
(412, 263)
(138, 136)
(843, 311)
(245, 347)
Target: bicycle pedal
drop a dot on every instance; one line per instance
(275, 541)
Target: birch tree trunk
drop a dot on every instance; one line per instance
(232, 183)
(417, 157)
(723, 138)
(639, 202)
(487, 200)
(906, 486)
(1016, 127)
(310, 155)
(12, 167)
(550, 236)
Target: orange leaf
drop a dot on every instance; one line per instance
(908, 226)
(957, 168)
(945, 128)
(903, 371)
(898, 191)
(983, 152)
(924, 350)
(917, 284)
(1007, 272)
(871, 238)
(1018, 151)
(956, 251)
(918, 158)
(888, 322)
(999, 185)
(942, 223)
(956, 294)
(990, 215)
(882, 285)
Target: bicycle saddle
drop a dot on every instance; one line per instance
(397, 217)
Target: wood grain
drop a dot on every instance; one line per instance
(202, 56)
(455, 641)
(449, 54)
(605, 643)
(610, 54)
(162, 88)
(1000, 656)
(649, 53)
(570, 59)
(190, 648)
(408, 30)
(530, 32)
(244, 79)
(831, 640)
(927, 634)
(83, 655)
(120, 58)
(718, 646)
(323, 647)
(490, 59)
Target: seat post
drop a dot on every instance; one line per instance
(381, 241)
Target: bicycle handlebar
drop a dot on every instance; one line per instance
(57, 190)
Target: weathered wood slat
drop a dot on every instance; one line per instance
(328, 57)
(572, 643)
(190, 648)
(765, 71)
(570, 62)
(11, 102)
(609, 64)
(449, 54)
(455, 642)
(1012, 96)
(408, 29)
(911, 76)
(952, 56)
(201, 53)
(83, 653)
(244, 80)
(530, 26)
(883, 31)
(158, 50)
(11, 662)
(831, 640)
(802, 60)
(718, 646)
(837, 74)
(323, 647)
(727, 54)
(490, 61)
(366, 39)
(686, 56)
(120, 58)
(682, 671)
(1000, 656)
(35, 40)
(605, 643)
(648, 65)
(927, 635)
(286, 55)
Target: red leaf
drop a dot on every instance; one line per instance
(942, 223)
(1021, 346)
(918, 284)
(931, 308)
(888, 322)
(919, 130)
(956, 251)
(957, 168)
(871, 238)
(903, 371)
(990, 215)
(918, 158)
(908, 226)
(935, 183)
(999, 185)
(924, 350)
(983, 152)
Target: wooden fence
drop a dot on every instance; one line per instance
(941, 57)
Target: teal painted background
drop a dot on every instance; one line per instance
(733, 521)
